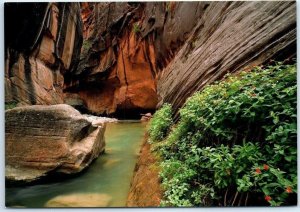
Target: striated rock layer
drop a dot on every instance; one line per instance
(136, 56)
(42, 42)
(229, 37)
(42, 139)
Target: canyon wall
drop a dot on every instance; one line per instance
(125, 45)
(229, 37)
(42, 42)
(136, 56)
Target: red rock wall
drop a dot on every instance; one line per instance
(119, 75)
(136, 56)
(125, 46)
(130, 83)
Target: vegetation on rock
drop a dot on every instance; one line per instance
(10, 105)
(136, 28)
(235, 143)
(161, 123)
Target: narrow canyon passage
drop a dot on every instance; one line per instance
(216, 82)
(104, 184)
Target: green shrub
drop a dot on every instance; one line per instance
(10, 105)
(239, 138)
(160, 123)
(136, 29)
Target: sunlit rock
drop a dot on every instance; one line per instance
(42, 139)
(80, 200)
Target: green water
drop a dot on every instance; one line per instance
(110, 174)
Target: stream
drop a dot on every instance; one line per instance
(107, 179)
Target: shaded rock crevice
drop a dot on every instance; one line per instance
(42, 42)
(121, 65)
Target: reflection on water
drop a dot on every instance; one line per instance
(109, 176)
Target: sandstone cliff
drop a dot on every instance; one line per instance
(136, 55)
(229, 37)
(42, 42)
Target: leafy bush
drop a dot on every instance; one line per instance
(237, 142)
(160, 123)
(10, 105)
(136, 29)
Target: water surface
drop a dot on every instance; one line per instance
(109, 175)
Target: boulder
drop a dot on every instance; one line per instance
(146, 117)
(79, 200)
(96, 120)
(42, 139)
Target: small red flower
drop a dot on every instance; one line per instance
(268, 198)
(266, 167)
(257, 171)
(288, 190)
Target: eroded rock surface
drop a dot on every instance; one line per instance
(125, 45)
(116, 72)
(229, 37)
(42, 139)
(136, 56)
(42, 42)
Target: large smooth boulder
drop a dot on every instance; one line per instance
(56, 138)
(79, 200)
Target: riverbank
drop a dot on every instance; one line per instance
(145, 190)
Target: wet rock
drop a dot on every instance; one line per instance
(80, 200)
(146, 117)
(96, 120)
(145, 189)
(42, 43)
(43, 139)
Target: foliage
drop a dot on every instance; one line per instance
(10, 105)
(235, 138)
(86, 46)
(160, 123)
(136, 29)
